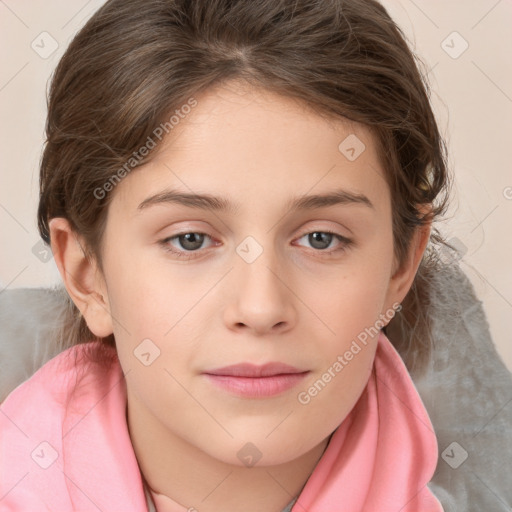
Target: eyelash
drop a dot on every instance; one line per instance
(187, 255)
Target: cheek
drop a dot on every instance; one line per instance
(143, 296)
(346, 324)
(156, 314)
(347, 303)
(327, 398)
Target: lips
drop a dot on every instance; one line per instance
(251, 370)
(252, 381)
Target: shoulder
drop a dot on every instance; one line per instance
(35, 416)
(58, 377)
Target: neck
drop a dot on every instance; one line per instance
(174, 468)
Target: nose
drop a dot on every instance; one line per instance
(262, 299)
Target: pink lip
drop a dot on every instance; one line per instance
(256, 381)
(252, 370)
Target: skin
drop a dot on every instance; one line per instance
(293, 304)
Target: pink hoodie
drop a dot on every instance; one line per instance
(79, 457)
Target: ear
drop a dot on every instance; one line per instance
(402, 279)
(82, 277)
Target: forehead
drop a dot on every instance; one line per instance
(254, 146)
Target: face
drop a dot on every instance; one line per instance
(194, 288)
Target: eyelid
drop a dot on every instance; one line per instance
(323, 230)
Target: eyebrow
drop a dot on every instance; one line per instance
(221, 204)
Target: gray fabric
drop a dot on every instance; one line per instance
(149, 500)
(289, 506)
(29, 318)
(467, 390)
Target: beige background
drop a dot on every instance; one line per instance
(472, 95)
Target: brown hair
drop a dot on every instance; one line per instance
(137, 61)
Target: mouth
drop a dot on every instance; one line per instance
(254, 381)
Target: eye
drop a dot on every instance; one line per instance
(321, 240)
(190, 242)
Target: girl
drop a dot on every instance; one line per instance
(239, 197)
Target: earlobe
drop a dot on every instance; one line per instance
(82, 278)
